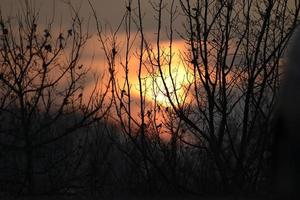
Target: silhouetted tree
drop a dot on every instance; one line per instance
(234, 53)
(43, 102)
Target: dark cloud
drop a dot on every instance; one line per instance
(110, 12)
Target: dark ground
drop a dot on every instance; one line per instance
(140, 198)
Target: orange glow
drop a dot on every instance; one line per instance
(174, 75)
(176, 82)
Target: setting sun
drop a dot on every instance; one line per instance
(173, 79)
(175, 82)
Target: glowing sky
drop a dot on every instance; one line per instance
(110, 13)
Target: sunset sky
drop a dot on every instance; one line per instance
(110, 14)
